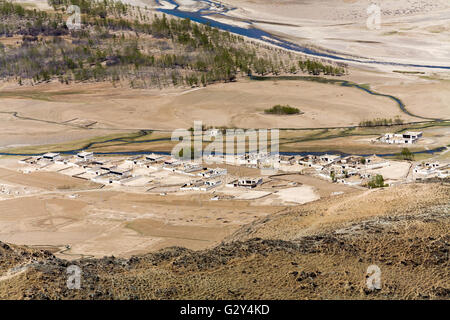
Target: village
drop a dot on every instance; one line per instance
(163, 174)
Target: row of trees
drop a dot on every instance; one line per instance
(113, 47)
(101, 8)
(381, 122)
(317, 67)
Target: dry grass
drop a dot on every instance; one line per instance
(407, 238)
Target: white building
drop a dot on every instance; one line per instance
(210, 173)
(155, 157)
(329, 158)
(85, 155)
(210, 184)
(408, 137)
(249, 182)
(431, 169)
(123, 172)
(51, 156)
(375, 162)
(29, 160)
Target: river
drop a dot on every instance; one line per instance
(139, 153)
(212, 7)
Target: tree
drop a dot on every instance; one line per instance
(377, 182)
(406, 154)
(333, 176)
(201, 55)
(203, 79)
(398, 120)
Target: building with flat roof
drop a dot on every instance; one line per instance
(329, 158)
(51, 156)
(155, 157)
(249, 182)
(85, 155)
(408, 137)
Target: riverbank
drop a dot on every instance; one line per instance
(344, 141)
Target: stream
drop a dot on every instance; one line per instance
(216, 8)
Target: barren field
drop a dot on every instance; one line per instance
(55, 210)
(319, 250)
(98, 223)
(53, 113)
(58, 210)
(410, 31)
(419, 96)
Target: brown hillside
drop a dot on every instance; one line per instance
(316, 251)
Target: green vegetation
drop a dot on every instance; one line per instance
(333, 176)
(316, 68)
(84, 144)
(435, 76)
(282, 110)
(390, 33)
(119, 42)
(408, 72)
(290, 140)
(365, 86)
(381, 122)
(65, 187)
(406, 154)
(377, 182)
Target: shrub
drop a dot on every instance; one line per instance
(377, 182)
(282, 110)
(406, 154)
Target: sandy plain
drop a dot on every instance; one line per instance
(54, 113)
(59, 211)
(410, 31)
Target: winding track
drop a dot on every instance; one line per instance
(346, 83)
(144, 132)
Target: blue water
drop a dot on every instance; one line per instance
(251, 32)
(146, 152)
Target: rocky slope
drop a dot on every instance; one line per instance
(316, 251)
